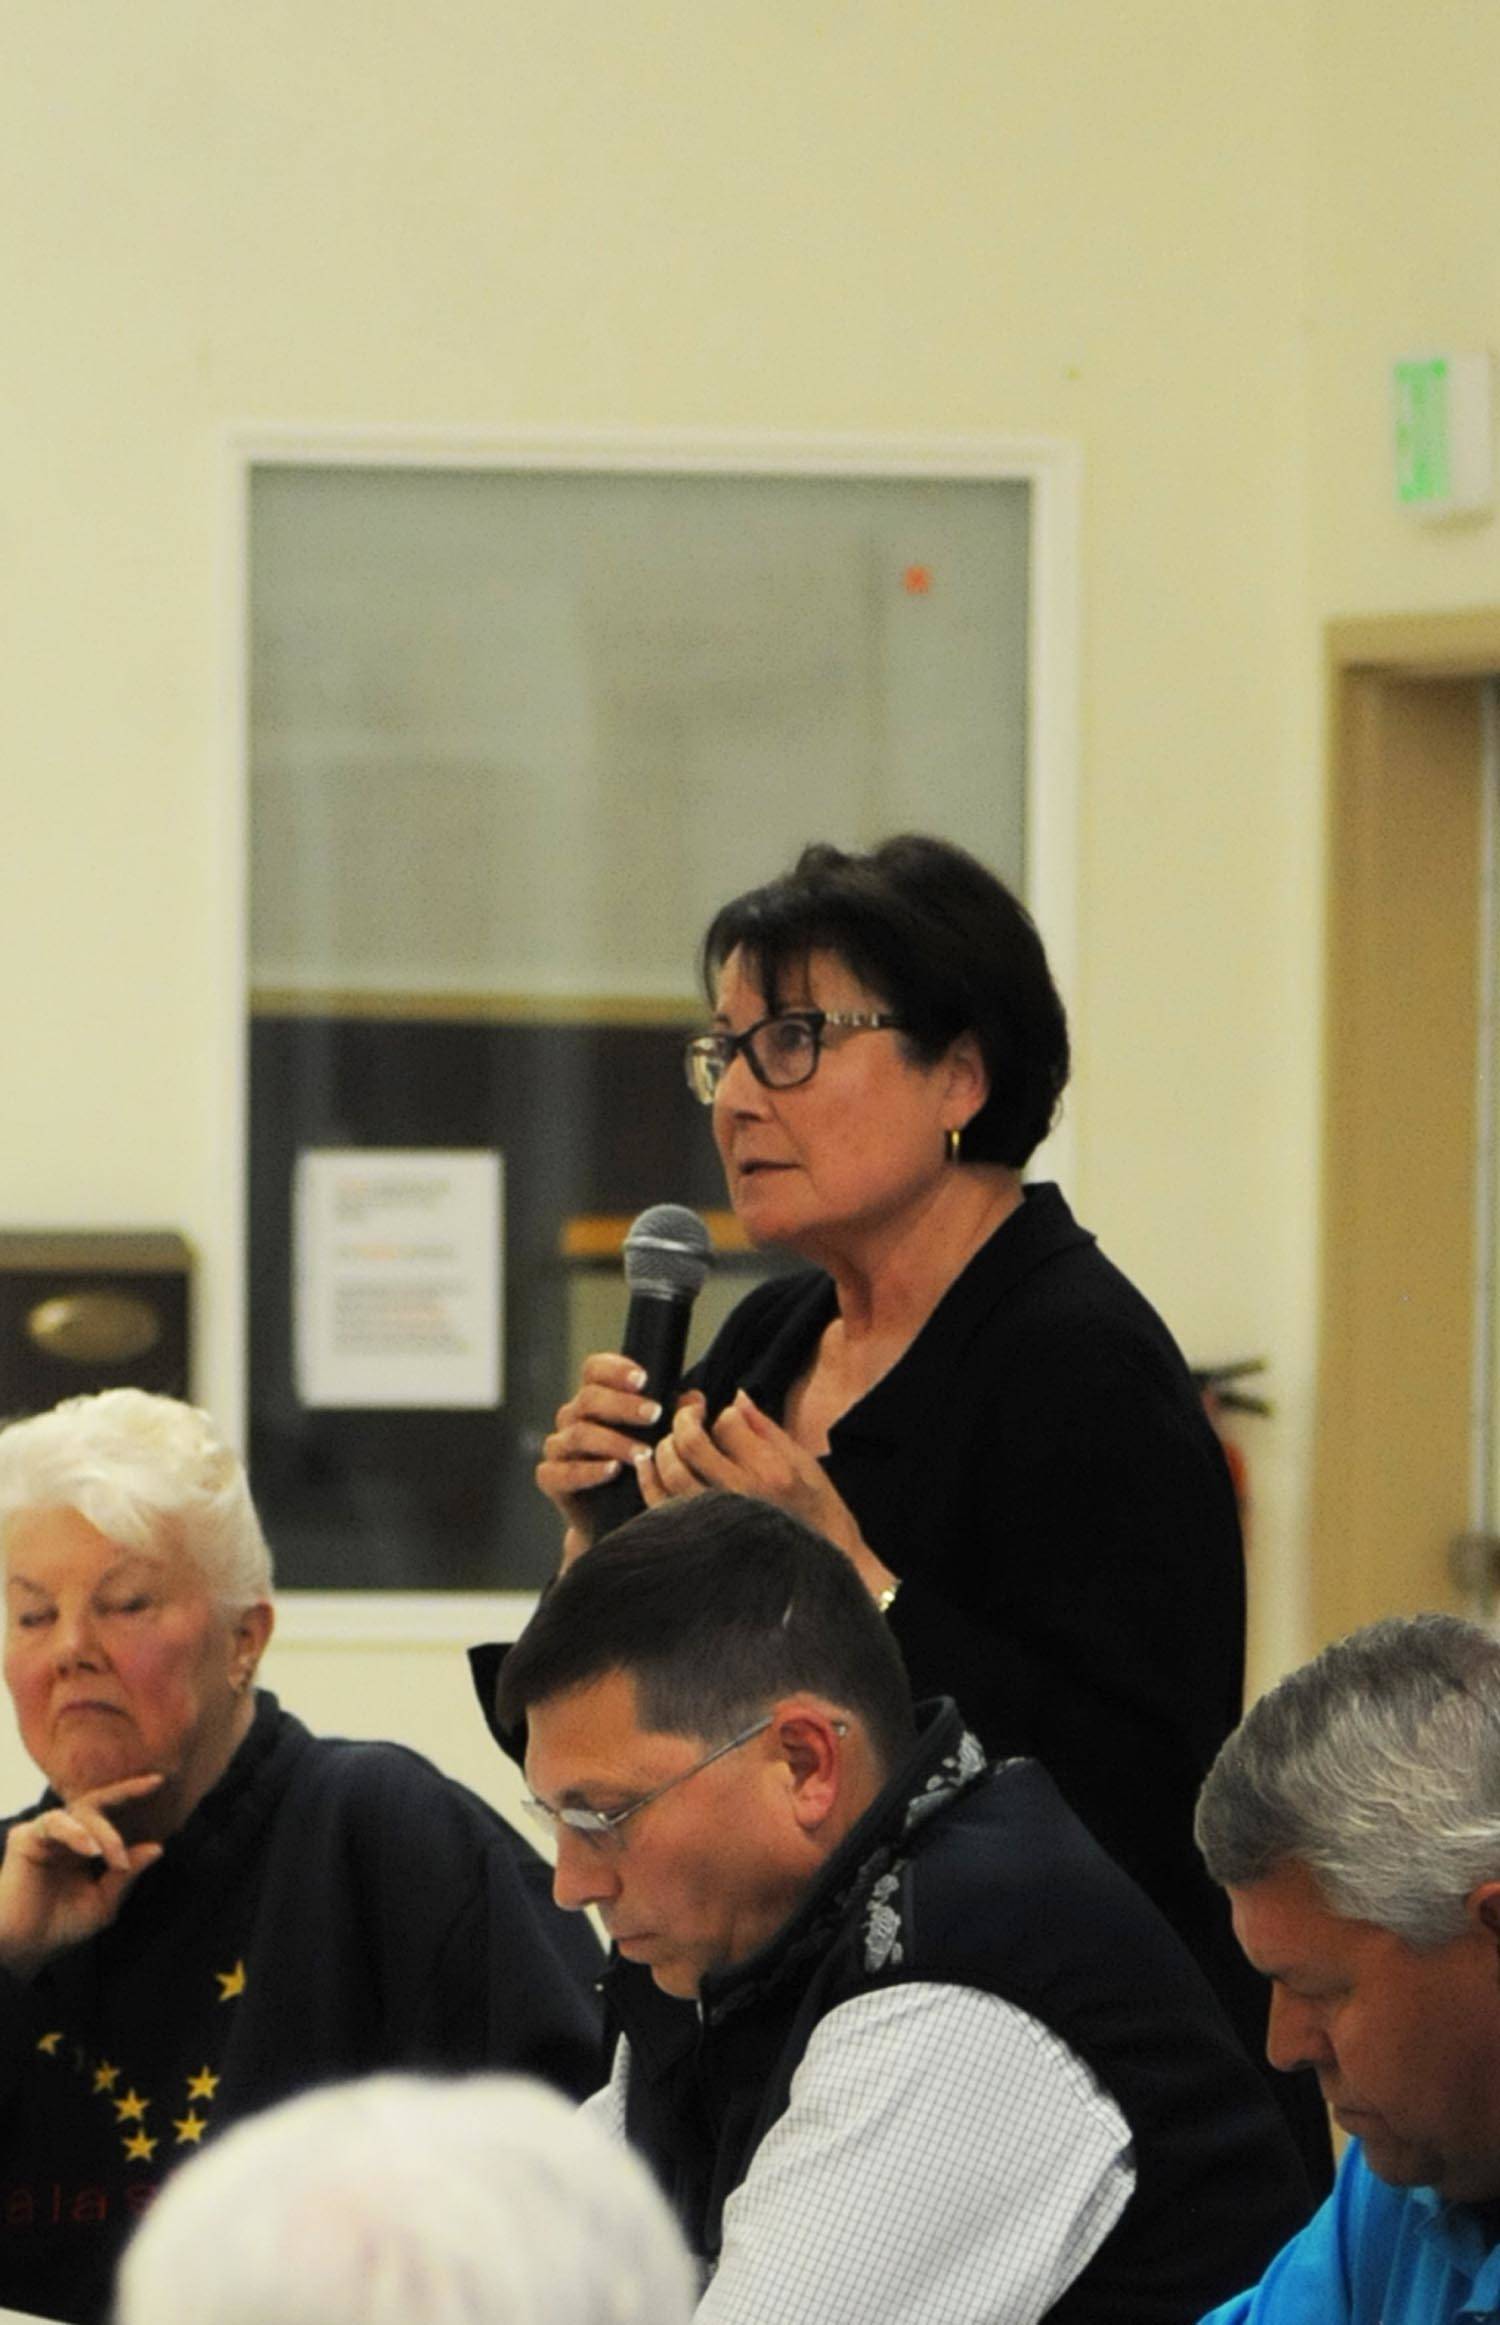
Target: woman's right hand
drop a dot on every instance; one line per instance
(589, 1444)
(65, 1873)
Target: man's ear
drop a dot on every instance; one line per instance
(1484, 1907)
(1484, 1915)
(809, 1745)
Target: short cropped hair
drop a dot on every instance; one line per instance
(146, 1470)
(944, 944)
(716, 1606)
(1377, 1767)
(485, 2200)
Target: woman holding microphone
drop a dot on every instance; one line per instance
(957, 1388)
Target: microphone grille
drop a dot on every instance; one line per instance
(668, 1252)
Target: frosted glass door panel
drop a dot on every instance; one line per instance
(514, 735)
(522, 732)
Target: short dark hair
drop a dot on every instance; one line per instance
(943, 943)
(715, 1606)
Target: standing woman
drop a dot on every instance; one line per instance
(958, 1389)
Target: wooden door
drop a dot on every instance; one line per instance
(1391, 1471)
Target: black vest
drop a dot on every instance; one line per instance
(977, 1877)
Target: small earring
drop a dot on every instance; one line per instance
(955, 1141)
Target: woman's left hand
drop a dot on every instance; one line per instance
(746, 1452)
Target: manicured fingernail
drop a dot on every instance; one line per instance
(649, 1410)
(642, 1459)
(637, 1377)
(610, 1469)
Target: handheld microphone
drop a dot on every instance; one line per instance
(667, 1255)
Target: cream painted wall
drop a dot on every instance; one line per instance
(1405, 190)
(1088, 222)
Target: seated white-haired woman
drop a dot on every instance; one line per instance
(403, 2201)
(211, 1908)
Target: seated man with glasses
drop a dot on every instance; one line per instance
(902, 2045)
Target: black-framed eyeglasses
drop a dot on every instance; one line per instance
(603, 1826)
(781, 1051)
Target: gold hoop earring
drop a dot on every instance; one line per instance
(955, 1142)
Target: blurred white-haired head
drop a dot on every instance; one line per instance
(405, 2200)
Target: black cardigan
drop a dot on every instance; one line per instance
(1039, 1471)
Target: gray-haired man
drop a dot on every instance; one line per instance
(1354, 1818)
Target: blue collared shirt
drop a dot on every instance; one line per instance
(1376, 2255)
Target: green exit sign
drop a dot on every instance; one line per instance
(1443, 415)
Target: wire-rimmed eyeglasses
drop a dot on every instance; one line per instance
(781, 1050)
(603, 1826)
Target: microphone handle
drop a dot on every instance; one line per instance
(656, 1330)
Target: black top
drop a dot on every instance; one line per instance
(329, 1909)
(1039, 1471)
(980, 1877)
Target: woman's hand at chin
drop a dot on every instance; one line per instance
(747, 1452)
(65, 1873)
